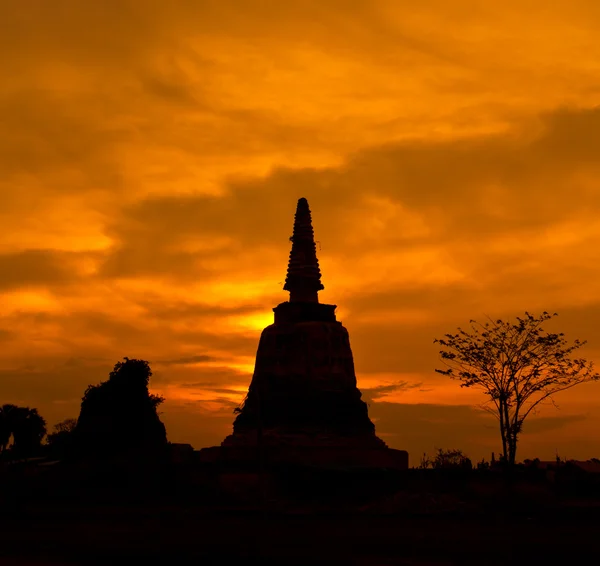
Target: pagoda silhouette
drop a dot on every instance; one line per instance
(303, 403)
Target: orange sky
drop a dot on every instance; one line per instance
(151, 156)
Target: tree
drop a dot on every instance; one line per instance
(64, 427)
(517, 365)
(119, 416)
(60, 441)
(28, 429)
(6, 426)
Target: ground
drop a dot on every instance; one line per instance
(178, 534)
(189, 514)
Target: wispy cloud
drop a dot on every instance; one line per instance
(376, 393)
(187, 360)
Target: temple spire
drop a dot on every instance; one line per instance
(303, 279)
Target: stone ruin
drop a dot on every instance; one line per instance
(303, 404)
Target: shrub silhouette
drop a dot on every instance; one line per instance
(119, 416)
(447, 459)
(27, 428)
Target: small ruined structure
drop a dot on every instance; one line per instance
(303, 403)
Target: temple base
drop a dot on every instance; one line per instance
(325, 457)
(276, 439)
(303, 405)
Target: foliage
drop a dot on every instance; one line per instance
(29, 431)
(120, 415)
(446, 459)
(5, 426)
(517, 365)
(60, 441)
(26, 427)
(67, 426)
(535, 463)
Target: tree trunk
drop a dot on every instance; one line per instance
(508, 433)
(513, 449)
(503, 430)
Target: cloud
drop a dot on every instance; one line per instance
(201, 358)
(493, 186)
(208, 387)
(372, 394)
(170, 310)
(179, 381)
(6, 335)
(48, 137)
(545, 424)
(150, 162)
(38, 268)
(392, 314)
(53, 386)
(419, 427)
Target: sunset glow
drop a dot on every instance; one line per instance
(152, 157)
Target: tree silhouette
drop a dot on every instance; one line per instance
(517, 365)
(5, 426)
(26, 426)
(61, 440)
(119, 416)
(64, 427)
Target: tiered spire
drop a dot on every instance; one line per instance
(303, 279)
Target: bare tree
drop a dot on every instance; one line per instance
(517, 365)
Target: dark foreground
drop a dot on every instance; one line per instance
(191, 515)
(105, 535)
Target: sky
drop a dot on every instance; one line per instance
(152, 154)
